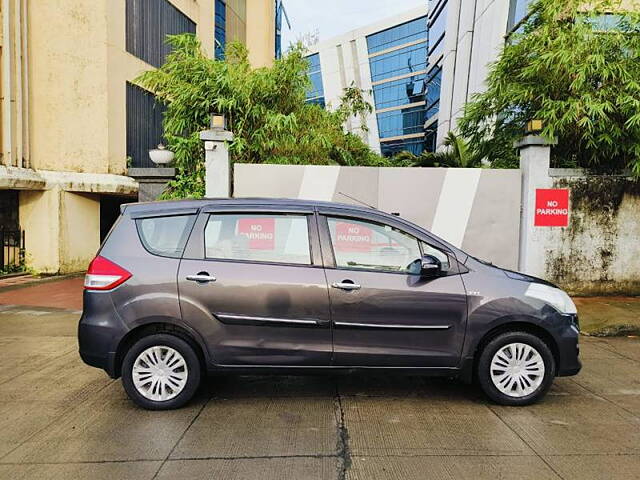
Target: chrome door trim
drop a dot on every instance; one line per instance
(251, 320)
(392, 326)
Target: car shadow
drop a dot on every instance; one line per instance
(351, 384)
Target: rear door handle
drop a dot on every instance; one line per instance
(346, 285)
(201, 278)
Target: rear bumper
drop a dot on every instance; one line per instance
(99, 332)
(105, 362)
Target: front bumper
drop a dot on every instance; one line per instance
(567, 341)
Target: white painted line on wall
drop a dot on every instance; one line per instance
(455, 203)
(319, 182)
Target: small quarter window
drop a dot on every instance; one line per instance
(165, 236)
(440, 255)
(275, 238)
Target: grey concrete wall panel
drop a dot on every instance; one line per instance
(414, 194)
(492, 231)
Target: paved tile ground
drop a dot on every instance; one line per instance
(65, 294)
(60, 419)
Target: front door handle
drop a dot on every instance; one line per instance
(201, 277)
(346, 285)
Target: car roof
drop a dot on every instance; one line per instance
(248, 201)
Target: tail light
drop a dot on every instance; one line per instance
(103, 274)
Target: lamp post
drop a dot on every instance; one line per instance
(216, 151)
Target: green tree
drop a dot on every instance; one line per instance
(265, 109)
(580, 78)
(456, 154)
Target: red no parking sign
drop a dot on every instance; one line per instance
(552, 207)
(259, 231)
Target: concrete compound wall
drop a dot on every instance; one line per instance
(479, 210)
(475, 209)
(599, 252)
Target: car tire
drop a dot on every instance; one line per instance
(161, 372)
(516, 368)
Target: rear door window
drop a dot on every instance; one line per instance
(165, 236)
(277, 238)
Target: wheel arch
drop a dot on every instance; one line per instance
(518, 326)
(147, 329)
(469, 368)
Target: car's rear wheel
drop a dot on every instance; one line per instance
(161, 372)
(516, 368)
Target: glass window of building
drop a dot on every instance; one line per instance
(407, 59)
(433, 91)
(399, 62)
(413, 145)
(147, 25)
(406, 121)
(431, 137)
(518, 9)
(220, 28)
(399, 92)
(144, 125)
(316, 92)
(398, 35)
(437, 26)
(611, 21)
(281, 13)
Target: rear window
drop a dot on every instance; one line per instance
(165, 236)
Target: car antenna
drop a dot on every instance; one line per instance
(359, 201)
(365, 204)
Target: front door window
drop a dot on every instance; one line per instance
(359, 244)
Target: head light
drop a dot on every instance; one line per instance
(555, 297)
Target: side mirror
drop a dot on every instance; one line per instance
(430, 266)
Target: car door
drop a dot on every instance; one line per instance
(384, 313)
(251, 281)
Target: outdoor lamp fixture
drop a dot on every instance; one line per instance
(160, 155)
(534, 126)
(218, 122)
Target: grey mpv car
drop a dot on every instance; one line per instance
(182, 288)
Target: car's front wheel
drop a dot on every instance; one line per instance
(516, 368)
(161, 372)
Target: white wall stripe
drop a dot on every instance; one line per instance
(455, 203)
(319, 182)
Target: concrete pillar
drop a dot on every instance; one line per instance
(218, 171)
(152, 181)
(535, 155)
(62, 229)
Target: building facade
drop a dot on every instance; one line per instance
(388, 60)
(465, 37)
(73, 122)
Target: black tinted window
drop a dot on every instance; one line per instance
(165, 236)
